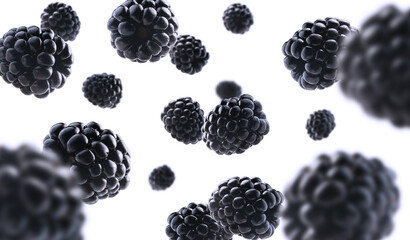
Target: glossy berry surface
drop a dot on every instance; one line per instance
(320, 124)
(161, 178)
(228, 89)
(103, 90)
(238, 18)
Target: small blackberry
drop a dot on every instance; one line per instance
(343, 197)
(161, 178)
(235, 125)
(312, 52)
(320, 124)
(189, 55)
(98, 158)
(103, 90)
(246, 207)
(194, 222)
(228, 89)
(238, 18)
(34, 60)
(62, 19)
(183, 118)
(143, 30)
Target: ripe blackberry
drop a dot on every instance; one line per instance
(183, 118)
(246, 207)
(62, 19)
(34, 60)
(98, 158)
(320, 124)
(228, 89)
(238, 18)
(103, 90)
(235, 125)
(161, 178)
(343, 197)
(312, 52)
(143, 30)
(36, 197)
(194, 222)
(189, 55)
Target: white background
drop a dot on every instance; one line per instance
(254, 60)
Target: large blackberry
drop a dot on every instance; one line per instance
(161, 178)
(235, 125)
(103, 90)
(194, 222)
(344, 197)
(183, 118)
(228, 89)
(98, 158)
(189, 55)
(320, 124)
(36, 198)
(143, 30)
(62, 19)
(34, 60)
(238, 18)
(312, 52)
(246, 207)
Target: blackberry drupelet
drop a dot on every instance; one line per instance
(194, 222)
(320, 124)
(34, 60)
(228, 89)
(98, 158)
(62, 19)
(342, 197)
(103, 90)
(246, 207)
(189, 55)
(312, 52)
(161, 178)
(183, 118)
(143, 30)
(235, 125)
(238, 18)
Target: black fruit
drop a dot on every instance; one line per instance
(320, 124)
(103, 90)
(238, 18)
(161, 178)
(228, 89)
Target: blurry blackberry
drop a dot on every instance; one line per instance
(320, 124)
(34, 60)
(246, 207)
(62, 19)
(194, 222)
(189, 55)
(103, 90)
(183, 118)
(312, 52)
(161, 178)
(37, 200)
(235, 125)
(228, 89)
(143, 30)
(238, 18)
(98, 158)
(343, 197)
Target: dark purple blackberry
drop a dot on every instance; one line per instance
(195, 223)
(238, 18)
(103, 90)
(183, 118)
(246, 207)
(320, 124)
(62, 19)
(235, 125)
(312, 52)
(342, 197)
(36, 197)
(98, 158)
(34, 60)
(189, 55)
(143, 30)
(161, 178)
(228, 89)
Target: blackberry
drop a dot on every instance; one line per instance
(312, 52)
(143, 30)
(235, 125)
(103, 90)
(194, 222)
(320, 124)
(228, 89)
(238, 18)
(62, 19)
(183, 118)
(34, 60)
(161, 178)
(246, 207)
(189, 55)
(36, 197)
(343, 197)
(98, 158)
